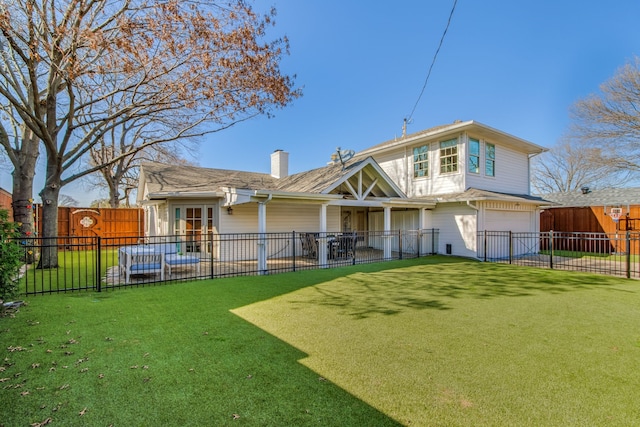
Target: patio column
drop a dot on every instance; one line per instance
(388, 236)
(322, 238)
(262, 237)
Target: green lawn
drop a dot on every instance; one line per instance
(76, 270)
(433, 341)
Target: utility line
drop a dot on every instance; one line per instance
(432, 62)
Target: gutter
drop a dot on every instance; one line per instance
(183, 195)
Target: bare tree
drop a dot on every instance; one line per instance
(22, 150)
(72, 70)
(120, 177)
(66, 200)
(610, 120)
(569, 166)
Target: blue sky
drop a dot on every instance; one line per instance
(516, 66)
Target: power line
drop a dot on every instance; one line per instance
(433, 61)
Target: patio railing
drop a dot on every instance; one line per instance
(66, 264)
(616, 254)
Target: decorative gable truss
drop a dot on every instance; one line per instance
(366, 182)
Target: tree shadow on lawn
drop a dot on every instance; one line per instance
(204, 365)
(435, 283)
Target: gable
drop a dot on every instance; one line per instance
(358, 178)
(369, 180)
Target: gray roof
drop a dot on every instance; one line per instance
(474, 194)
(603, 197)
(453, 129)
(162, 178)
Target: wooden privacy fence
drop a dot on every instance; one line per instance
(589, 219)
(78, 224)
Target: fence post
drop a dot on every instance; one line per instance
(510, 246)
(212, 252)
(628, 250)
(485, 245)
(433, 241)
(354, 242)
(400, 243)
(551, 249)
(293, 248)
(99, 265)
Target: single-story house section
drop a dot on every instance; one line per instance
(607, 210)
(459, 178)
(6, 202)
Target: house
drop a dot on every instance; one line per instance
(6, 201)
(460, 178)
(607, 210)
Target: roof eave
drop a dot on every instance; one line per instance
(454, 128)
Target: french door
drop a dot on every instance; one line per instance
(193, 223)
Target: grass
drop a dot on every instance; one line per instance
(434, 341)
(578, 254)
(76, 270)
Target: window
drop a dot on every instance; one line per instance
(421, 161)
(449, 156)
(474, 155)
(490, 159)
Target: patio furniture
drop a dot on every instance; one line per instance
(343, 246)
(309, 245)
(173, 258)
(140, 259)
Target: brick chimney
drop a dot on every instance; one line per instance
(279, 164)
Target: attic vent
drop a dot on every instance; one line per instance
(585, 190)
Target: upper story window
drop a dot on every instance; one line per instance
(449, 156)
(421, 161)
(474, 155)
(490, 159)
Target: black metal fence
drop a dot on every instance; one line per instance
(602, 253)
(66, 264)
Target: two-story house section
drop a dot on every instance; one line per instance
(461, 178)
(479, 176)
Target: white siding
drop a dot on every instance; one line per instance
(511, 171)
(399, 166)
(281, 217)
(457, 225)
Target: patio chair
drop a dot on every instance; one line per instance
(173, 258)
(140, 260)
(309, 245)
(344, 246)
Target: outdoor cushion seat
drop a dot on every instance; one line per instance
(141, 268)
(142, 263)
(173, 259)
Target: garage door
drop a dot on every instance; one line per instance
(503, 245)
(507, 221)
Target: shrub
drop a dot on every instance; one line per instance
(10, 257)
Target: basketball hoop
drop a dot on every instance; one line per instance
(615, 214)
